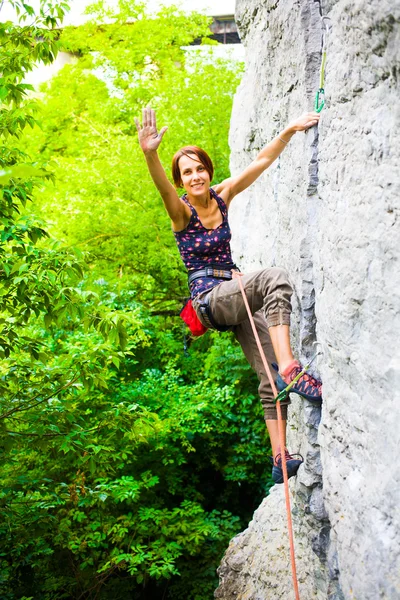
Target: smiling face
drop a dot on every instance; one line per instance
(195, 178)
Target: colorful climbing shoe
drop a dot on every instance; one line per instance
(292, 466)
(307, 386)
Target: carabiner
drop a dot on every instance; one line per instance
(282, 396)
(319, 100)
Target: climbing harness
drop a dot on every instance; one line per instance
(211, 272)
(320, 95)
(188, 314)
(205, 311)
(278, 397)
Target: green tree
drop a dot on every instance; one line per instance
(39, 281)
(104, 200)
(127, 465)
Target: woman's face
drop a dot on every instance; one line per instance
(195, 178)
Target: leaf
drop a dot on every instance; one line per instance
(116, 361)
(92, 465)
(23, 171)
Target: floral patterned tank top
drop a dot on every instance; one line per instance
(200, 247)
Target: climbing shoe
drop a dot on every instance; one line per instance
(307, 386)
(293, 462)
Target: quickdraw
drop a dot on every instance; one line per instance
(320, 95)
(284, 393)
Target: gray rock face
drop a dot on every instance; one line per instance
(327, 211)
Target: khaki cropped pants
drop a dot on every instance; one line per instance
(269, 293)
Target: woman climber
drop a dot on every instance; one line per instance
(200, 225)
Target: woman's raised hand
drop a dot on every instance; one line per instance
(149, 138)
(304, 122)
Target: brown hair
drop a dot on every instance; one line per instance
(189, 151)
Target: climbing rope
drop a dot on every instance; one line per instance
(281, 436)
(278, 398)
(320, 95)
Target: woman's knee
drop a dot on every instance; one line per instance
(279, 274)
(277, 278)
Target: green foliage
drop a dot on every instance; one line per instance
(150, 488)
(104, 200)
(127, 465)
(39, 278)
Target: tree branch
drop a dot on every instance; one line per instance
(23, 408)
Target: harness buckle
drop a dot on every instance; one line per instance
(205, 311)
(219, 273)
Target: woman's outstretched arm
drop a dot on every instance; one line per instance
(234, 185)
(149, 140)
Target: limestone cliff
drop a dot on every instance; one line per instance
(327, 211)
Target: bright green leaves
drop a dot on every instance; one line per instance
(21, 47)
(40, 280)
(137, 46)
(20, 171)
(104, 200)
(31, 277)
(127, 465)
(49, 13)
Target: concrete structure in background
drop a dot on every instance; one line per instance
(224, 29)
(327, 211)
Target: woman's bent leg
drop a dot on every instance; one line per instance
(280, 336)
(244, 334)
(268, 289)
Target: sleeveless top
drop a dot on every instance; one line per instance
(200, 247)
